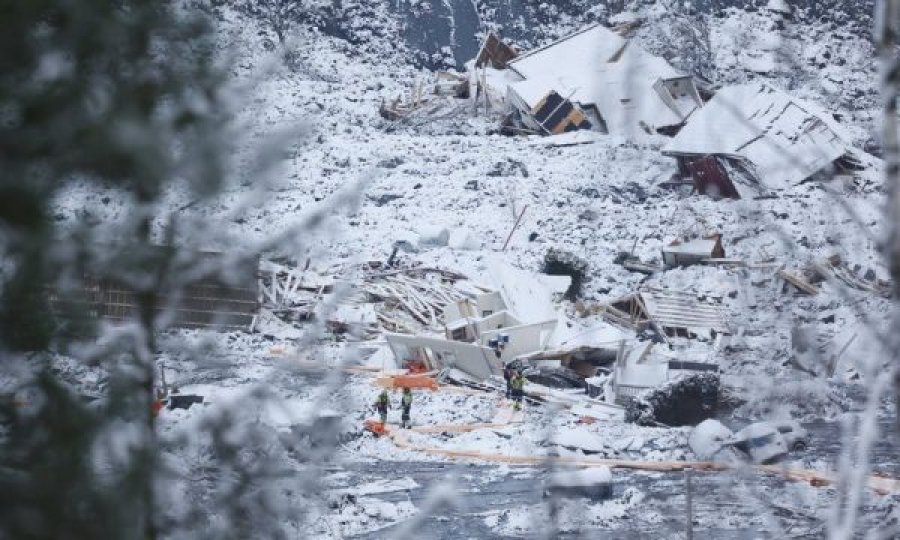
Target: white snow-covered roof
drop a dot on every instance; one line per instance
(525, 296)
(624, 95)
(597, 67)
(586, 50)
(599, 336)
(784, 138)
(532, 91)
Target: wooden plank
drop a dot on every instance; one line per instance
(798, 282)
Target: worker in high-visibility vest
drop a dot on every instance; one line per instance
(406, 405)
(518, 388)
(382, 404)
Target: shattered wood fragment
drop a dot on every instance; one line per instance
(640, 267)
(835, 267)
(494, 53)
(716, 261)
(798, 282)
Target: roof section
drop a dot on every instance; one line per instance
(585, 50)
(624, 94)
(785, 139)
(597, 67)
(525, 296)
(673, 309)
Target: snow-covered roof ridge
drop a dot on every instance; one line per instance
(571, 47)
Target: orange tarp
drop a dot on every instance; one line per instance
(375, 427)
(407, 381)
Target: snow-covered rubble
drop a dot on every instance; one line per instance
(445, 185)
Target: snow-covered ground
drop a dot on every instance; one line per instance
(447, 169)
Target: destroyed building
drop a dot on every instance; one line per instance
(516, 320)
(596, 79)
(755, 135)
(486, 330)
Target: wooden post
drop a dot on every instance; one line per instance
(689, 526)
(162, 378)
(515, 226)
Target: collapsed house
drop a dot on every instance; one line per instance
(756, 135)
(487, 330)
(669, 313)
(592, 79)
(694, 251)
(514, 321)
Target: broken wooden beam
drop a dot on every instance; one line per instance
(798, 282)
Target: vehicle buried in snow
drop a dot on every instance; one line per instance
(760, 442)
(709, 441)
(795, 435)
(590, 483)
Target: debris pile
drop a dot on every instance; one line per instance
(739, 141)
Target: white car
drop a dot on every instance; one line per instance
(795, 435)
(762, 442)
(710, 441)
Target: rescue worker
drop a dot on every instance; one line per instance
(508, 376)
(518, 389)
(159, 402)
(382, 404)
(406, 404)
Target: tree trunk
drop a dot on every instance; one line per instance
(890, 84)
